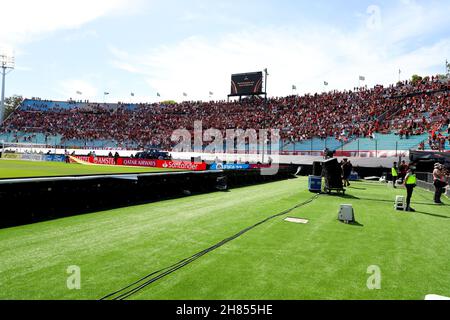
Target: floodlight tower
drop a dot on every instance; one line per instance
(447, 69)
(266, 73)
(6, 65)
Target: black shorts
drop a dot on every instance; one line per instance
(439, 184)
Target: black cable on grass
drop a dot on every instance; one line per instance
(140, 284)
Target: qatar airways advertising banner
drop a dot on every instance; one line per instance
(136, 162)
(167, 164)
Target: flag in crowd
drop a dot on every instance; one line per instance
(362, 78)
(105, 93)
(325, 83)
(184, 94)
(158, 95)
(132, 94)
(79, 92)
(211, 93)
(294, 87)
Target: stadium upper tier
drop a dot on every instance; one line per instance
(395, 117)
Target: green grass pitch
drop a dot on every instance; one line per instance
(27, 169)
(324, 259)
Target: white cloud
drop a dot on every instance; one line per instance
(410, 19)
(22, 20)
(304, 56)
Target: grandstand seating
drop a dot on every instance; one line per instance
(47, 105)
(385, 142)
(397, 117)
(314, 144)
(31, 137)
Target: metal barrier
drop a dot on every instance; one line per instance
(425, 180)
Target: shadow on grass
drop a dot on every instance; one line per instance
(349, 196)
(343, 196)
(351, 187)
(356, 224)
(353, 224)
(433, 215)
(431, 203)
(392, 201)
(373, 184)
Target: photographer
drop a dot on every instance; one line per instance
(347, 169)
(439, 181)
(326, 153)
(403, 168)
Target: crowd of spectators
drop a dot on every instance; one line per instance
(405, 109)
(437, 140)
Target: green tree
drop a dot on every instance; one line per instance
(416, 78)
(11, 104)
(169, 102)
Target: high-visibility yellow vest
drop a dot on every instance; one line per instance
(394, 172)
(411, 179)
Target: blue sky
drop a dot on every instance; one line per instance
(193, 46)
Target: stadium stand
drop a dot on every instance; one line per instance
(402, 116)
(385, 142)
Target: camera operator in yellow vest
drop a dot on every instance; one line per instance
(410, 183)
(394, 173)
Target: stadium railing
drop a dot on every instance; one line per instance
(425, 181)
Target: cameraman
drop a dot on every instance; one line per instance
(326, 153)
(403, 168)
(439, 181)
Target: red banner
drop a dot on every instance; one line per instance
(260, 166)
(184, 165)
(168, 164)
(137, 162)
(372, 153)
(97, 160)
(104, 160)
